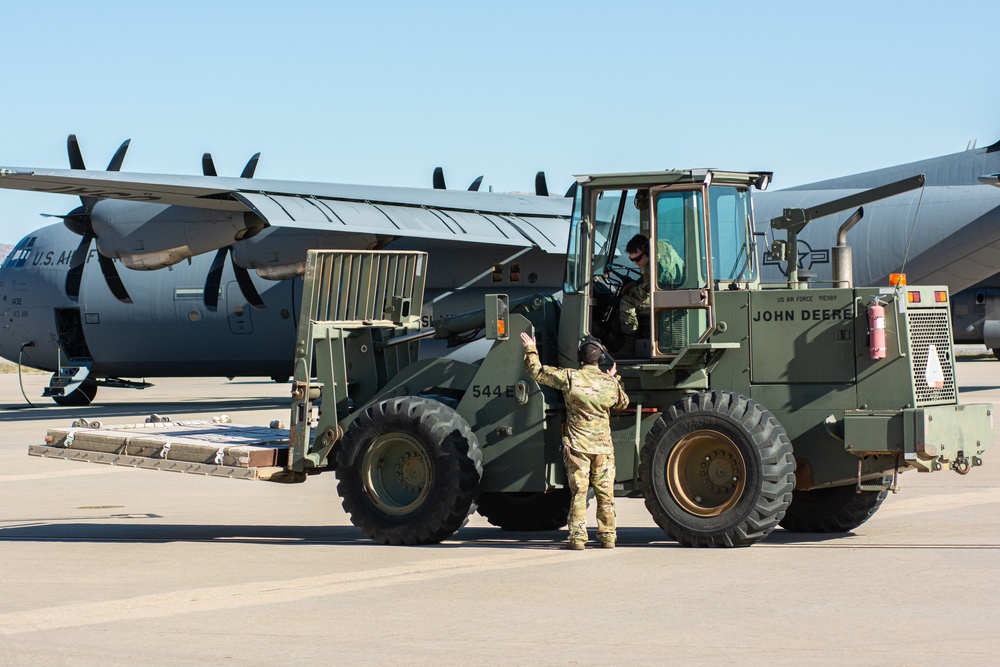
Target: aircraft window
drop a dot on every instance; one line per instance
(729, 211)
(190, 292)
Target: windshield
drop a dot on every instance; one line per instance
(609, 246)
(729, 212)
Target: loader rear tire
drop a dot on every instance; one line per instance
(408, 471)
(529, 511)
(717, 470)
(838, 509)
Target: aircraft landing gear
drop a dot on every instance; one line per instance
(81, 396)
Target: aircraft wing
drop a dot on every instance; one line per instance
(479, 217)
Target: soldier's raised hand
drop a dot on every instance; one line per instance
(527, 340)
(614, 369)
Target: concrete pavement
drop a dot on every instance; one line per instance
(110, 566)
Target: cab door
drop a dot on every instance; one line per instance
(680, 271)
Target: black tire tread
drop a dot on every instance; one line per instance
(452, 502)
(777, 468)
(839, 509)
(79, 397)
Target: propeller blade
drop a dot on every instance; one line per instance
(208, 165)
(213, 281)
(112, 278)
(571, 192)
(75, 155)
(541, 187)
(76, 162)
(76, 263)
(439, 179)
(475, 184)
(119, 156)
(251, 166)
(246, 285)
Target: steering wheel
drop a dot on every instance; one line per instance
(623, 273)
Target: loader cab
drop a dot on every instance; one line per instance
(699, 226)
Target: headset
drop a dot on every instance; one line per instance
(591, 341)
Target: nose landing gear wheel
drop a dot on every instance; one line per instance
(79, 397)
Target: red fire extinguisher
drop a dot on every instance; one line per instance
(876, 329)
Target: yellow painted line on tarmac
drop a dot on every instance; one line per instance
(257, 593)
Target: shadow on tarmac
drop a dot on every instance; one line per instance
(101, 530)
(138, 411)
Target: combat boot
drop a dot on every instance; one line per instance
(607, 544)
(576, 545)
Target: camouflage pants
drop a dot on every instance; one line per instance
(634, 301)
(595, 471)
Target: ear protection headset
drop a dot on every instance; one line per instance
(590, 342)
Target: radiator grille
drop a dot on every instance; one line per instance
(929, 327)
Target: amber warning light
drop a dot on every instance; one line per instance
(897, 279)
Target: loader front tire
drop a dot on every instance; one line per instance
(528, 511)
(717, 470)
(838, 509)
(408, 471)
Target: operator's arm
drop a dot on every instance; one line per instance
(558, 378)
(621, 402)
(671, 266)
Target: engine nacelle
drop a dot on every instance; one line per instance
(281, 256)
(147, 236)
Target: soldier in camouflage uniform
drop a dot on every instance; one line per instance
(590, 394)
(635, 295)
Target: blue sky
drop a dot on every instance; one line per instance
(382, 92)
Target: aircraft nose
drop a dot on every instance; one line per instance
(9, 346)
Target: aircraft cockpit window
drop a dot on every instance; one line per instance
(19, 255)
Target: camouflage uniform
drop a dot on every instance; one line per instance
(590, 395)
(635, 295)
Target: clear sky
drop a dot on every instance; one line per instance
(382, 92)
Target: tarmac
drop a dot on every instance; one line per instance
(102, 565)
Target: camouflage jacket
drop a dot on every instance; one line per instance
(590, 395)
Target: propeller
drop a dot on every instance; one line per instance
(541, 187)
(213, 281)
(438, 180)
(80, 221)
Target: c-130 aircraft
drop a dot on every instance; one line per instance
(946, 232)
(208, 316)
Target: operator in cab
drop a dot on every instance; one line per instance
(590, 395)
(635, 295)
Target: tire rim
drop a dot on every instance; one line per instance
(396, 473)
(706, 473)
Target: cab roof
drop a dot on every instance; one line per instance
(645, 179)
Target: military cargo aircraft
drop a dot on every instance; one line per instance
(208, 318)
(203, 316)
(951, 230)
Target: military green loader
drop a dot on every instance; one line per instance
(752, 405)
